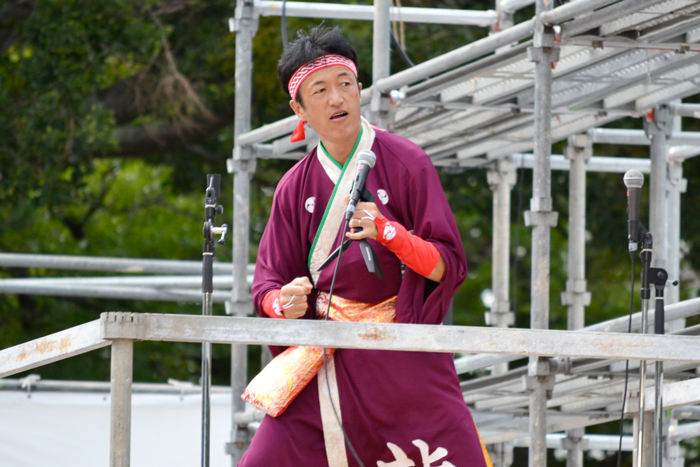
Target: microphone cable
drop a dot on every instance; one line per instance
(325, 356)
(627, 367)
(402, 52)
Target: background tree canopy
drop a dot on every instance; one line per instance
(112, 113)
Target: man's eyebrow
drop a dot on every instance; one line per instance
(321, 81)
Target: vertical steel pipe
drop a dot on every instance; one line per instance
(676, 188)
(239, 379)
(242, 300)
(243, 159)
(501, 180)
(121, 379)
(381, 62)
(576, 297)
(645, 436)
(659, 128)
(658, 191)
(541, 219)
(243, 165)
(541, 202)
(381, 45)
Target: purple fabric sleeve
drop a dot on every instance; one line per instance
(282, 257)
(425, 210)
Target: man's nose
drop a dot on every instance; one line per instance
(335, 96)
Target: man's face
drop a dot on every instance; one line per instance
(331, 98)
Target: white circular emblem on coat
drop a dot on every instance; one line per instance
(310, 204)
(383, 196)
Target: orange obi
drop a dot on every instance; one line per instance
(281, 381)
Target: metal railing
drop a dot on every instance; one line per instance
(121, 329)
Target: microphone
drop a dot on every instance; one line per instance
(365, 161)
(633, 181)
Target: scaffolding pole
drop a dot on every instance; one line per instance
(366, 12)
(541, 218)
(242, 165)
(501, 180)
(676, 185)
(381, 63)
(122, 368)
(659, 129)
(576, 298)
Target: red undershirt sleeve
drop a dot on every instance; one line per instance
(419, 255)
(271, 304)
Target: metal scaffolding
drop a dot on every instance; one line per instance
(558, 76)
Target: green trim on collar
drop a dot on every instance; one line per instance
(352, 152)
(335, 189)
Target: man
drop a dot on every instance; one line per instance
(395, 408)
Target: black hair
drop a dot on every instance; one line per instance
(318, 41)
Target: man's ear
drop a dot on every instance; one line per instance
(297, 108)
(359, 85)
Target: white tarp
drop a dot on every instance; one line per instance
(69, 429)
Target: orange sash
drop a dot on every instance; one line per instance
(280, 382)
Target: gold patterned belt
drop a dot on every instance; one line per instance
(281, 381)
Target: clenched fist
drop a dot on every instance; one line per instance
(293, 297)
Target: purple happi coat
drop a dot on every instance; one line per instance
(385, 396)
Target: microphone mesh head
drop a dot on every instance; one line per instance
(634, 179)
(367, 157)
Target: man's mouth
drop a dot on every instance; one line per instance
(339, 115)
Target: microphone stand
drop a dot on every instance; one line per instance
(211, 209)
(647, 244)
(658, 277)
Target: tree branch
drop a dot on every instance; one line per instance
(145, 140)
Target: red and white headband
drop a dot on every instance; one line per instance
(324, 61)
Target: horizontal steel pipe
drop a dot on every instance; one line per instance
(639, 138)
(681, 153)
(366, 13)
(220, 281)
(245, 418)
(685, 110)
(282, 127)
(457, 57)
(589, 442)
(690, 412)
(50, 385)
(602, 16)
(95, 263)
(680, 310)
(571, 10)
(471, 363)
(511, 6)
(681, 432)
(595, 163)
(122, 293)
(406, 337)
(268, 132)
(676, 394)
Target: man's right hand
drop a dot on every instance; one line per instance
(293, 297)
